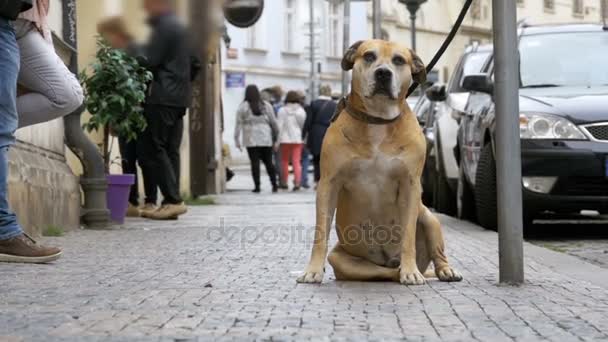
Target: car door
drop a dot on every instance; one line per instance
(473, 127)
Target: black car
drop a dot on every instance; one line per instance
(563, 124)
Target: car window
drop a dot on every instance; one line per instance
(564, 59)
(471, 64)
(422, 108)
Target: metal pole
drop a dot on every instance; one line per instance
(346, 44)
(413, 23)
(377, 17)
(508, 150)
(313, 64)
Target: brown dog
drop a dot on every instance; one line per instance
(372, 161)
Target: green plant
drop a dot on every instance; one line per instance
(53, 231)
(115, 90)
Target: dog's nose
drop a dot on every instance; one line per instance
(383, 75)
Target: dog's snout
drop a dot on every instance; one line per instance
(383, 75)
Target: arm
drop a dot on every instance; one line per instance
(307, 123)
(239, 127)
(162, 40)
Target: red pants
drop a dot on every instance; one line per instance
(293, 153)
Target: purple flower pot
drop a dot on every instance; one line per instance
(119, 187)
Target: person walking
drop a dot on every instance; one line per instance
(114, 31)
(48, 90)
(15, 245)
(257, 126)
(168, 55)
(291, 119)
(318, 119)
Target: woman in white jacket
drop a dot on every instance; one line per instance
(291, 119)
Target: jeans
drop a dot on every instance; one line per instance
(264, 154)
(128, 153)
(305, 166)
(317, 162)
(293, 153)
(52, 91)
(158, 149)
(9, 69)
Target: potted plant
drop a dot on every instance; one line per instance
(115, 89)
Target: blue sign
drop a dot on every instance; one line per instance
(235, 80)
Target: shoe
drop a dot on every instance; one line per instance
(147, 209)
(229, 175)
(275, 189)
(256, 191)
(168, 212)
(283, 187)
(133, 211)
(24, 249)
(296, 188)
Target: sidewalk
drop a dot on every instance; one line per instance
(228, 272)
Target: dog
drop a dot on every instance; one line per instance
(372, 161)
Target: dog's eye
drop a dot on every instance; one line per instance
(369, 57)
(398, 60)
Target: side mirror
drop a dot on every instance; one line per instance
(479, 82)
(437, 93)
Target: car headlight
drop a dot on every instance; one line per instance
(547, 126)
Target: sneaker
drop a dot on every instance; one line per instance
(147, 209)
(168, 212)
(133, 211)
(24, 249)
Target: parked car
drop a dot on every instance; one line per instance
(437, 112)
(563, 126)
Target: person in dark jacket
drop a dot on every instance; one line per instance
(168, 55)
(318, 119)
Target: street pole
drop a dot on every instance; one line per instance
(413, 30)
(413, 6)
(377, 18)
(346, 44)
(508, 150)
(313, 64)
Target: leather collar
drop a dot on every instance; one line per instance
(362, 116)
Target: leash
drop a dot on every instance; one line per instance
(446, 43)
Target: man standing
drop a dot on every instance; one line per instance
(169, 58)
(15, 245)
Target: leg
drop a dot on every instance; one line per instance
(285, 157)
(175, 142)
(267, 159)
(277, 165)
(435, 247)
(128, 153)
(9, 68)
(254, 158)
(296, 158)
(350, 268)
(53, 90)
(305, 166)
(410, 192)
(317, 162)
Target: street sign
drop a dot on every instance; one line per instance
(243, 13)
(235, 80)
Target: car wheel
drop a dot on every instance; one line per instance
(444, 200)
(465, 198)
(485, 189)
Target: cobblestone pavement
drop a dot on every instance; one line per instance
(228, 272)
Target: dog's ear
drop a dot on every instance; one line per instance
(418, 68)
(348, 61)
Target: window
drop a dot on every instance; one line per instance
(476, 10)
(335, 23)
(520, 3)
(549, 5)
(290, 25)
(578, 7)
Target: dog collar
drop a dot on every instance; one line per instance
(361, 115)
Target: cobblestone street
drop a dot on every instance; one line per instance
(228, 271)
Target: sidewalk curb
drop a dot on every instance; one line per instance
(560, 263)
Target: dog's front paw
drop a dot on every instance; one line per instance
(312, 276)
(448, 275)
(412, 278)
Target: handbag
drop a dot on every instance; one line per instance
(10, 9)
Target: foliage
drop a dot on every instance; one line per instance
(115, 92)
(53, 231)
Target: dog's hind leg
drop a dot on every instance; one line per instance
(436, 246)
(351, 268)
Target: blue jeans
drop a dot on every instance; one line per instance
(9, 70)
(305, 166)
